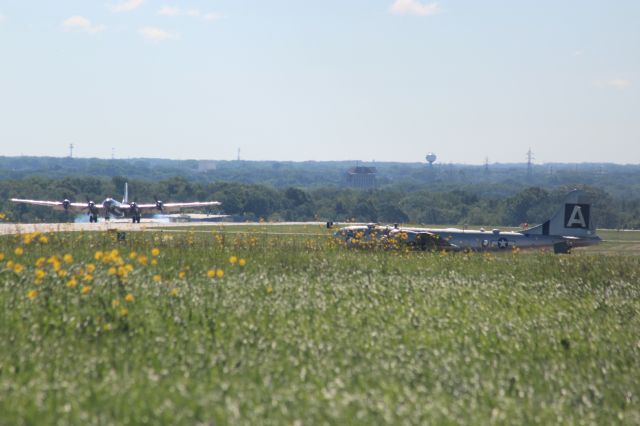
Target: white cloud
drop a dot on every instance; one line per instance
(578, 52)
(80, 23)
(2, 18)
(169, 11)
(156, 34)
(414, 7)
(618, 83)
(211, 16)
(127, 5)
(192, 13)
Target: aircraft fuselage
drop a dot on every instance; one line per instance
(452, 239)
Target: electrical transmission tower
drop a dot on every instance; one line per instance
(529, 162)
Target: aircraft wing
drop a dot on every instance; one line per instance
(169, 207)
(56, 205)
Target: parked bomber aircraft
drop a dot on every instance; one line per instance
(571, 226)
(111, 207)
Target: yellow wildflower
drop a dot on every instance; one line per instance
(115, 303)
(99, 254)
(155, 252)
(111, 270)
(32, 294)
(41, 261)
(10, 264)
(211, 273)
(124, 312)
(72, 283)
(129, 297)
(19, 251)
(122, 271)
(18, 268)
(174, 292)
(142, 259)
(233, 260)
(219, 273)
(133, 255)
(157, 278)
(154, 262)
(44, 239)
(67, 258)
(1, 256)
(40, 274)
(62, 273)
(242, 262)
(269, 290)
(88, 277)
(90, 268)
(181, 274)
(86, 289)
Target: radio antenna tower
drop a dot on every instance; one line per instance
(70, 150)
(238, 154)
(530, 158)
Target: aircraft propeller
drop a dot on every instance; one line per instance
(159, 203)
(92, 210)
(133, 207)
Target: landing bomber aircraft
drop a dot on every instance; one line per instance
(110, 207)
(571, 226)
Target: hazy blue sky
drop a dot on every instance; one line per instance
(322, 80)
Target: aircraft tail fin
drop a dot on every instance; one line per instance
(126, 193)
(572, 219)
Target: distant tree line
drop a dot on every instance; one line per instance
(499, 180)
(462, 204)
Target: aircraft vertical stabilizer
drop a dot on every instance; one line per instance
(126, 193)
(573, 219)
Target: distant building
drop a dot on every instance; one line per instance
(361, 177)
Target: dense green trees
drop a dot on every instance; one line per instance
(406, 193)
(463, 206)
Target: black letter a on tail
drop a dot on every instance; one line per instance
(576, 216)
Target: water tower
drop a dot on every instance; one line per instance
(431, 158)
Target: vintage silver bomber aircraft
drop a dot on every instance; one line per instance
(571, 226)
(112, 208)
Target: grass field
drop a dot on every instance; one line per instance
(264, 327)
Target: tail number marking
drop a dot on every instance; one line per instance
(576, 216)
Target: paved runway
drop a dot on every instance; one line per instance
(123, 225)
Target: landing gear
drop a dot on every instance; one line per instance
(93, 218)
(136, 218)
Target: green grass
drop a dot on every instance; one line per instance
(309, 332)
